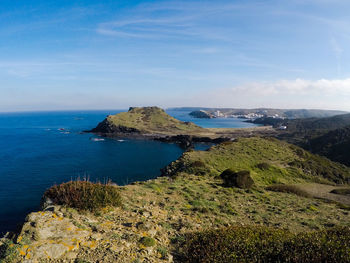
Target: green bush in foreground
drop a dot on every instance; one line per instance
(147, 241)
(263, 244)
(84, 195)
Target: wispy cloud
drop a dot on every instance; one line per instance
(298, 93)
(338, 51)
(171, 20)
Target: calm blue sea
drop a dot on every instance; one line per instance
(39, 149)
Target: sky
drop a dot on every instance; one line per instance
(71, 55)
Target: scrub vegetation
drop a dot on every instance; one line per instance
(84, 195)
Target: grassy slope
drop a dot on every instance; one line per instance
(152, 120)
(287, 163)
(169, 207)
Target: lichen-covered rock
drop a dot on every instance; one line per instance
(49, 235)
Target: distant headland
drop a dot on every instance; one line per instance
(154, 123)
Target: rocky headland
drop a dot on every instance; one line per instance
(154, 123)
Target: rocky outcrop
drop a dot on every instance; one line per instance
(188, 141)
(105, 127)
(154, 123)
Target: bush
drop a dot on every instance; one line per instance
(239, 179)
(263, 244)
(147, 241)
(263, 166)
(84, 195)
(284, 188)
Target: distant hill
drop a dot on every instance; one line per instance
(145, 120)
(283, 113)
(325, 136)
(334, 144)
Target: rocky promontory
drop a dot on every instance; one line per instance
(154, 123)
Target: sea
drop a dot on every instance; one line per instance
(40, 149)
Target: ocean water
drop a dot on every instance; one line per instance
(39, 149)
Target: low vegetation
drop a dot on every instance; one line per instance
(147, 241)
(263, 244)
(84, 195)
(291, 189)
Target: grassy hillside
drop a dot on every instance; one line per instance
(335, 145)
(329, 137)
(153, 219)
(281, 162)
(318, 125)
(152, 120)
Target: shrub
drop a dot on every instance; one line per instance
(341, 191)
(263, 244)
(263, 166)
(147, 241)
(239, 179)
(84, 195)
(291, 189)
(197, 168)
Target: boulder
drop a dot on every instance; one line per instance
(239, 179)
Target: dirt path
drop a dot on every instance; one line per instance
(323, 191)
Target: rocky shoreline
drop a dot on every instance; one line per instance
(107, 129)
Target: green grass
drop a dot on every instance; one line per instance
(264, 244)
(84, 195)
(269, 161)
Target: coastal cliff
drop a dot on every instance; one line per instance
(154, 123)
(159, 220)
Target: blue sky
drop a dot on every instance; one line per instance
(115, 54)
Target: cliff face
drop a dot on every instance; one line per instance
(107, 127)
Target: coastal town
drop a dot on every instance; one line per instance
(254, 114)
